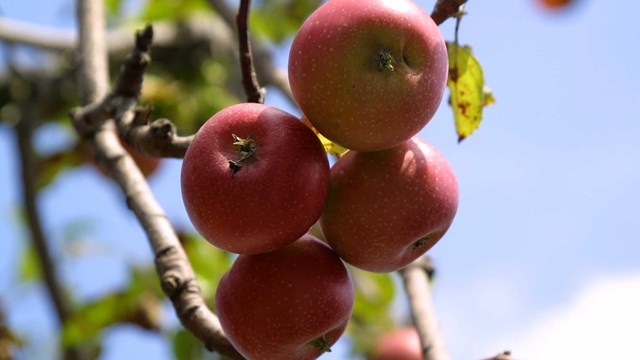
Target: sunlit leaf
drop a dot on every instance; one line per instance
(278, 20)
(155, 10)
(138, 304)
(208, 262)
(329, 146)
(29, 265)
(50, 166)
(371, 315)
(188, 347)
(468, 92)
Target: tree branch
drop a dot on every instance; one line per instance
(249, 78)
(263, 62)
(445, 9)
(159, 138)
(416, 282)
(505, 355)
(176, 275)
(24, 133)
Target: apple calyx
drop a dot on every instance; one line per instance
(246, 150)
(321, 343)
(385, 61)
(420, 242)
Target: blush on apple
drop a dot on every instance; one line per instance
(387, 208)
(290, 304)
(254, 179)
(368, 74)
(399, 344)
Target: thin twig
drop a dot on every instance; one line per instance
(249, 78)
(445, 9)
(172, 265)
(159, 138)
(416, 283)
(263, 61)
(505, 355)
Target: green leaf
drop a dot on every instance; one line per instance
(50, 166)
(139, 304)
(155, 10)
(278, 20)
(113, 7)
(29, 265)
(469, 94)
(371, 315)
(208, 262)
(188, 347)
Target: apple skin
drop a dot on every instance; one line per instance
(387, 208)
(554, 4)
(273, 198)
(399, 344)
(148, 165)
(275, 305)
(341, 86)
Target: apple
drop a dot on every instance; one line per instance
(399, 344)
(254, 179)
(148, 164)
(368, 74)
(292, 303)
(387, 208)
(554, 4)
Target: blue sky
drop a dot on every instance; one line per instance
(547, 237)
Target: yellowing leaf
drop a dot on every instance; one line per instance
(469, 95)
(329, 146)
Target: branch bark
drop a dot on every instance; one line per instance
(24, 133)
(416, 282)
(445, 9)
(249, 78)
(176, 275)
(263, 62)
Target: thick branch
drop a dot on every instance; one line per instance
(445, 9)
(416, 283)
(176, 275)
(249, 78)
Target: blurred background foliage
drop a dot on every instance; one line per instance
(192, 76)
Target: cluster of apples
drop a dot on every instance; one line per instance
(368, 76)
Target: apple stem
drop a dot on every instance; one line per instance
(321, 343)
(246, 149)
(385, 61)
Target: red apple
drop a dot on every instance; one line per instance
(368, 74)
(148, 164)
(387, 208)
(293, 303)
(254, 179)
(554, 4)
(399, 344)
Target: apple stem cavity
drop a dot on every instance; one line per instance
(246, 150)
(321, 343)
(385, 61)
(420, 242)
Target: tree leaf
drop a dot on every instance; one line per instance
(329, 146)
(468, 92)
(208, 262)
(371, 315)
(52, 165)
(29, 265)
